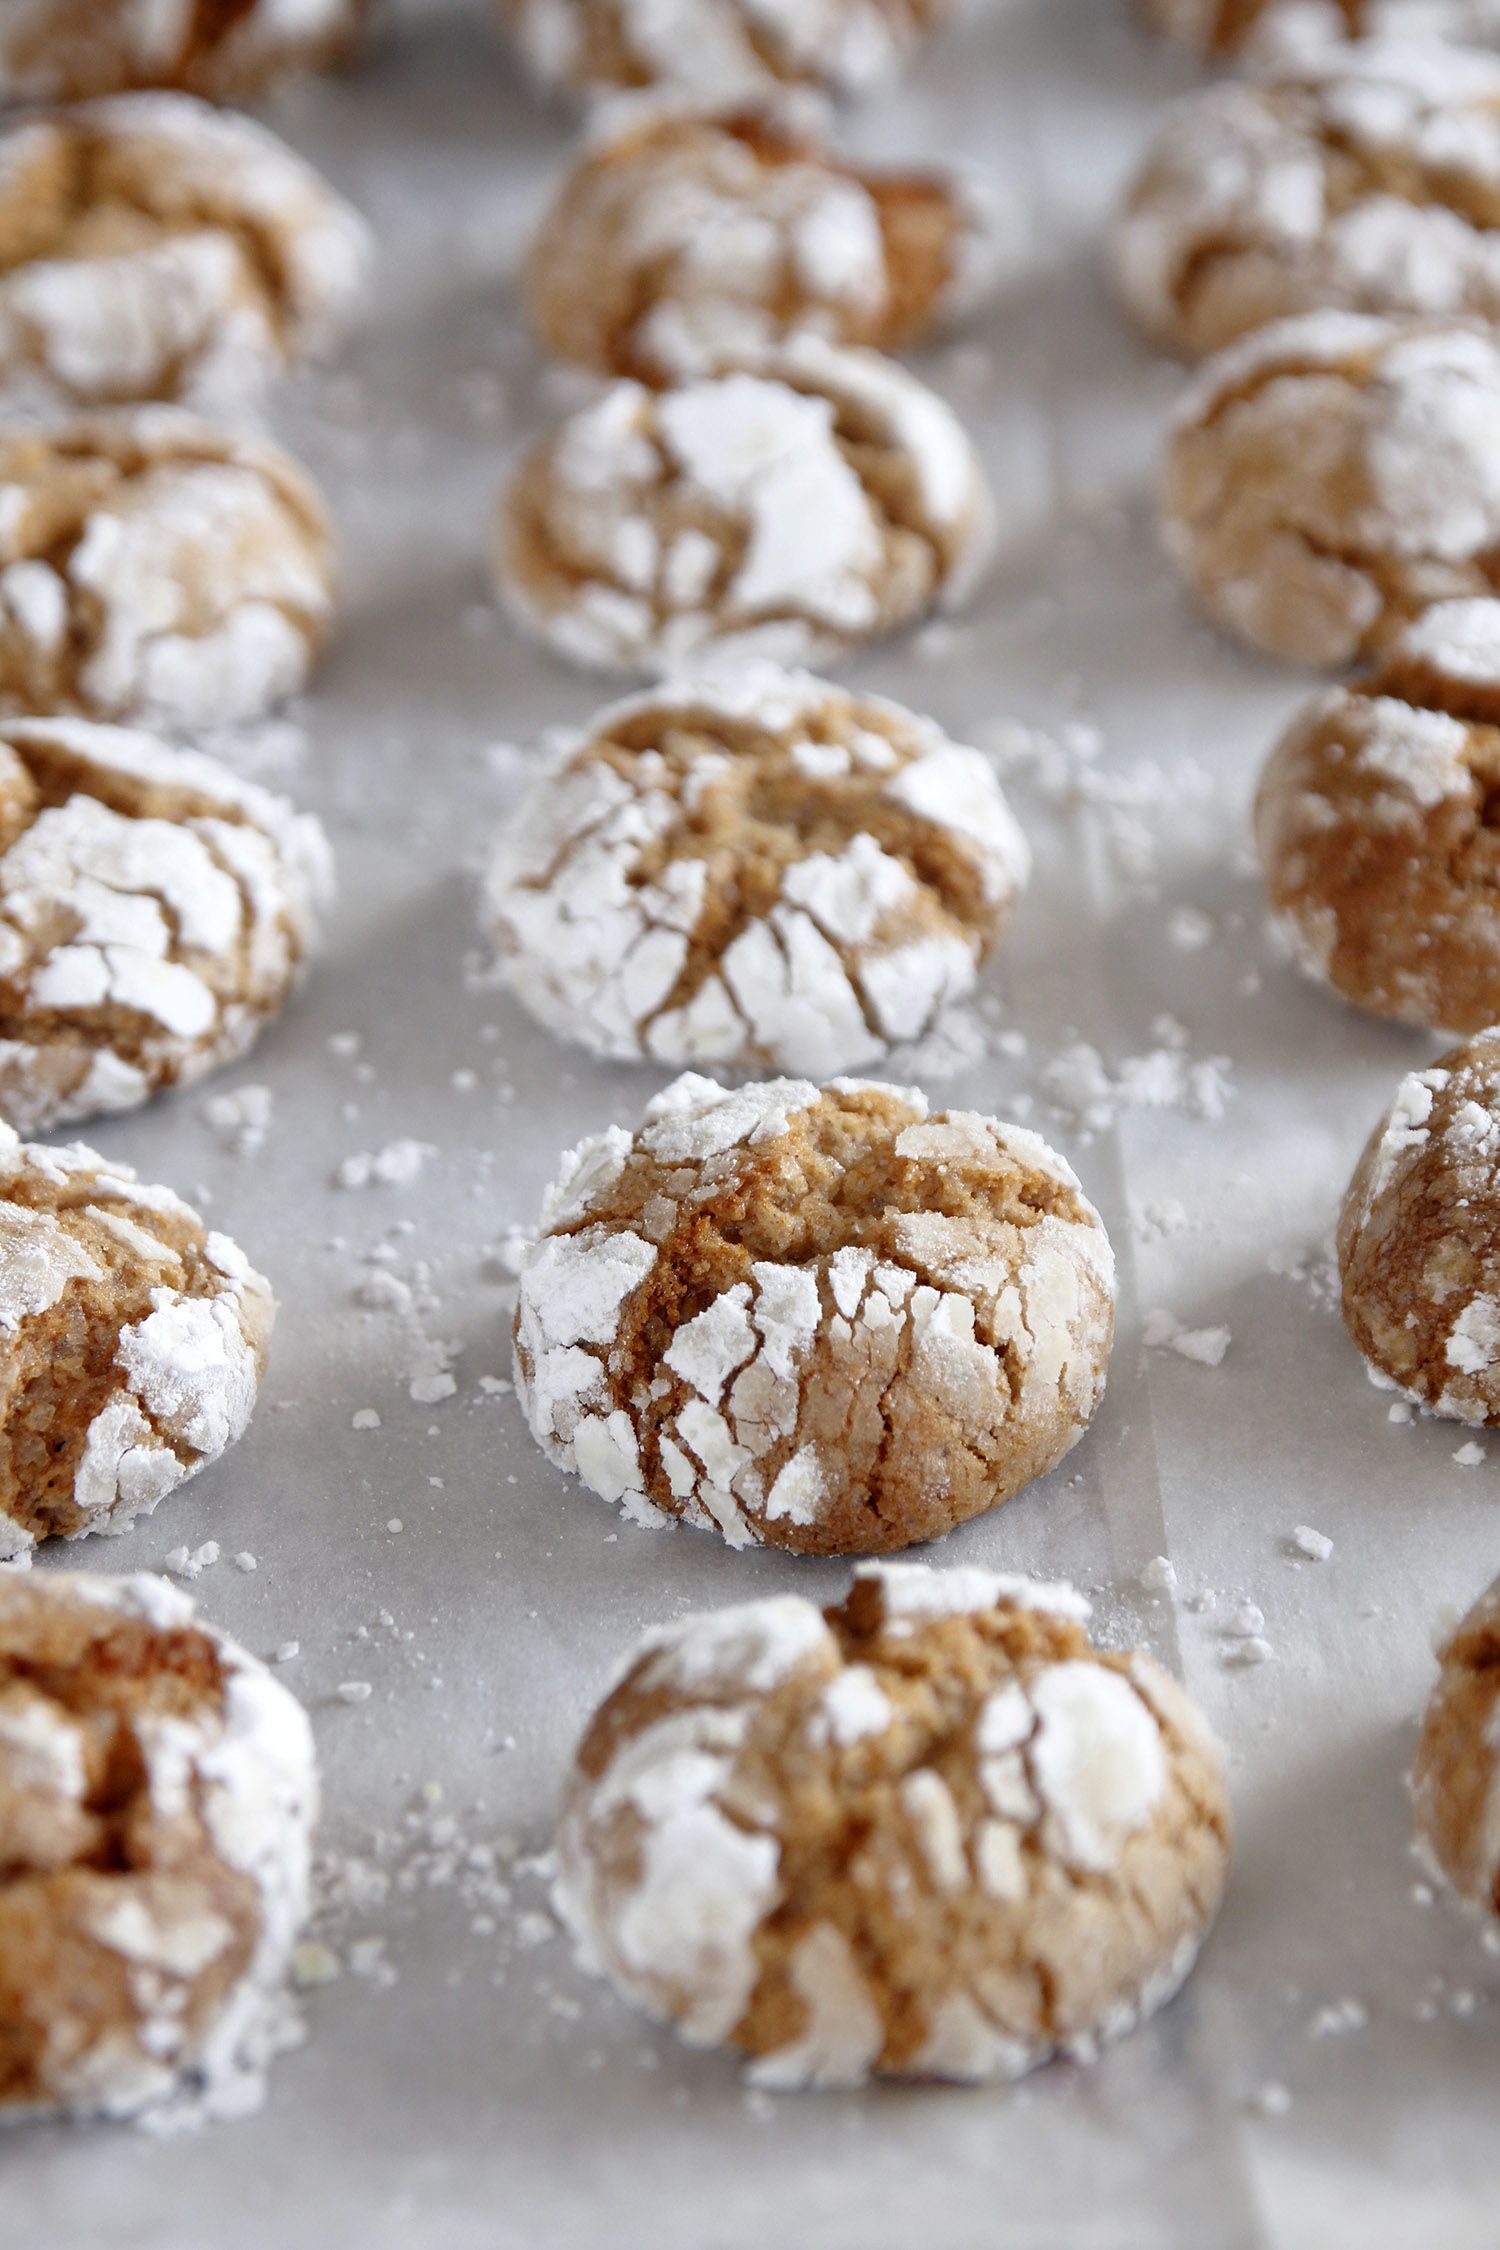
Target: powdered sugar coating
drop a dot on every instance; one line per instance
(67, 50)
(1292, 30)
(787, 511)
(719, 48)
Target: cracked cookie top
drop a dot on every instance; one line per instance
(762, 870)
(132, 1342)
(154, 248)
(819, 1319)
(154, 566)
(157, 1796)
(932, 1833)
(791, 510)
(1419, 1238)
(154, 912)
(1279, 30)
(1456, 1776)
(1329, 478)
(68, 50)
(1378, 826)
(684, 238)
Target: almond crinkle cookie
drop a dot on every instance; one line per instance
(1368, 179)
(157, 1797)
(1329, 478)
(155, 912)
(824, 1320)
(1456, 1777)
(153, 566)
(685, 237)
(789, 510)
(132, 1343)
(1296, 28)
(1419, 1238)
(761, 871)
(933, 1833)
(1378, 825)
(67, 50)
(154, 248)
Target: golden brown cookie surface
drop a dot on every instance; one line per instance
(69, 50)
(719, 48)
(1456, 1776)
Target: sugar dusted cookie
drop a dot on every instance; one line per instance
(132, 1343)
(67, 50)
(1295, 28)
(821, 1320)
(721, 48)
(1456, 1778)
(1375, 828)
(155, 912)
(761, 870)
(933, 1833)
(154, 248)
(153, 566)
(157, 1797)
(791, 511)
(686, 237)
(1329, 478)
(1419, 1238)
(1328, 184)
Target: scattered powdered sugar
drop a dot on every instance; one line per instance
(1206, 1346)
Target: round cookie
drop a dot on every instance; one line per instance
(157, 1796)
(132, 1343)
(684, 238)
(1374, 823)
(933, 1833)
(818, 1319)
(1456, 1776)
(68, 50)
(153, 566)
(761, 871)
(1277, 29)
(724, 49)
(1329, 478)
(1419, 1238)
(152, 248)
(1367, 180)
(155, 912)
(791, 511)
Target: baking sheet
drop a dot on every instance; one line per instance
(1333, 2072)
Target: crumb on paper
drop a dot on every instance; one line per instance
(1206, 1347)
(395, 1165)
(1312, 1546)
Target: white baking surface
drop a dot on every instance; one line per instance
(488, 2096)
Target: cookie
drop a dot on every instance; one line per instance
(790, 511)
(684, 238)
(933, 1833)
(1331, 185)
(157, 1796)
(1419, 1238)
(824, 1320)
(155, 912)
(1278, 29)
(152, 248)
(1374, 825)
(132, 1343)
(68, 50)
(1456, 1777)
(1329, 478)
(724, 49)
(153, 566)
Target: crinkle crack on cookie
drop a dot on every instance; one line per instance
(68, 50)
(1331, 477)
(686, 238)
(789, 511)
(933, 1833)
(1456, 1777)
(1419, 1238)
(1280, 30)
(1378, 826)
(132, 1343)
(154, 913)
(153, 248)
(720, 48)
(157, 1797)
(761, 871)
(155, 567)
(1368, 180)
(823, 1320)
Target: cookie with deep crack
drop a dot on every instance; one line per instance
(69, 50)
(1456, 1776)
(157, 1796)
(818, 1319)
(132, 1343)
(931, 1833)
